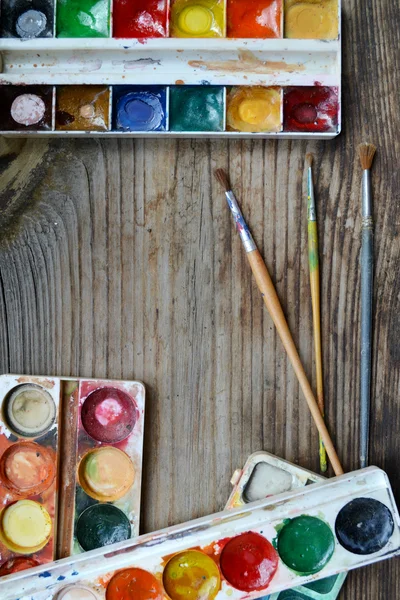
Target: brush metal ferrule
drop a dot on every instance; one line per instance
(241, 225)
(311, 210)
(366, 194)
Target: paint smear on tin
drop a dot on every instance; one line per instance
(247, 62)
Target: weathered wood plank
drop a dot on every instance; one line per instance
(118, 258)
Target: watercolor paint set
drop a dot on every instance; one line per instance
(191, 68)
(265, 475)
(70, 466)
(292, 539)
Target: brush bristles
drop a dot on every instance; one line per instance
(223, 178)
(309, 159)
(366, 152)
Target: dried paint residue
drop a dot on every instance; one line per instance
(312, 19)
(30, 410)
(76, 592)
(25, 527)
(310, 109)
(196, 108)
(364, 526)
(249, 562)
(254, 109)
(109, 415)
(30, 100)
(27, 468)
(17, 564)
(139, 109)
(27, 20)
(306, 544)
(256, 19)
(140, 18)
(197, 18)
(83, 18)
(247, 62)
(82, 108)
(106, 473)
(191, 575)
(101, 525)
(134, 583)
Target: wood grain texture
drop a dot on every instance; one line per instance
(119, 259)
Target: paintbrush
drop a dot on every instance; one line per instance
(274, 307)
(366, 153)
(313, 263)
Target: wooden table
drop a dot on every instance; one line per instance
(119, 259)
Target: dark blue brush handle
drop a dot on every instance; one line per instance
(367, 274)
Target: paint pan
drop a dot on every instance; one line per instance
(140, 18)
(83, 108)
(27, 19)
(257, 19)
(29, 448)
(311, 19)
(26, 109)
(197, 18)
(254, 109)
(109, 463)
(265, 475)
(296, 538)
(197, 108)
(83, 18)
(310, 109)
(138, 108)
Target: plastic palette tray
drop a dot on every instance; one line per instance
(70, 461)
(231, 65)
(324, 502)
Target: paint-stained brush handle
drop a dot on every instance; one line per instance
(274, 307)
(67, 468)
(313, 261)
(367, 275)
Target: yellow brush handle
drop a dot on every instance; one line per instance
(315, 300)
(274, 307)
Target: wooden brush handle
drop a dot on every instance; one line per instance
(367, 275)
(67, 468)
(274, 307)
(313, 260)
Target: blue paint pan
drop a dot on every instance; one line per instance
(139, 108)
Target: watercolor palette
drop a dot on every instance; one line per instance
(191, 68)
(70, 466)
(265, 475)
(295, 538)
